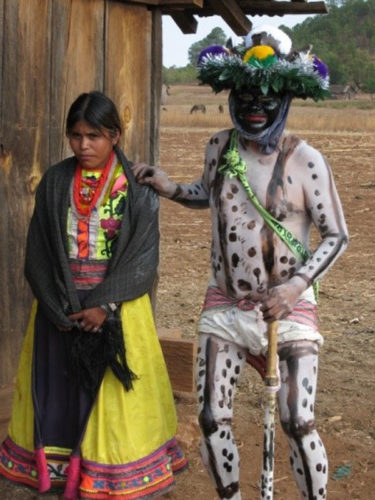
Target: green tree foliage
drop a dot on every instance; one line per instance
(172, 75)
(216, 37)
(344, 39)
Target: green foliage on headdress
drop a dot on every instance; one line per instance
(296, 78)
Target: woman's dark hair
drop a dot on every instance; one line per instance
(97, 110)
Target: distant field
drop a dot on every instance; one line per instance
(356, 115)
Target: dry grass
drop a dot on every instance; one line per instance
(330, 119)
(179, 116)
(332, 116)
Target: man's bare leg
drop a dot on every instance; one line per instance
(298, 371)
(219, 366)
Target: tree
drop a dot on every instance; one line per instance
(216, 37)
(173, 75)
(369, 86)
(343, 39)
(369, 79)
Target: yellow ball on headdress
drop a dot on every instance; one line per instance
(260, 56)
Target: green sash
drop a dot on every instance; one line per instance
(235, 166)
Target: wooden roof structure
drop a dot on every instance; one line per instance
(233, 12)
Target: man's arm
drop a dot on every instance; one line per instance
(323, 204)
(193, 195)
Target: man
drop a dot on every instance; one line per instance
(265, 189)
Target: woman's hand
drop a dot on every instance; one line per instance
(90, 319)
(154, 177)
(281, 299)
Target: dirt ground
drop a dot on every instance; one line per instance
(345, 400)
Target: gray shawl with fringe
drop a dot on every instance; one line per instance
(132, 268)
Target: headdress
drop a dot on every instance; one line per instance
(265, 61)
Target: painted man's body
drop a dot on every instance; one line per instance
(249, 261)
(295, 184)
(256, 278)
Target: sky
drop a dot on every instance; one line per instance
(176, 44)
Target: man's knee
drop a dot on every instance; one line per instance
(298, 428)
(210, 422)
(207, 422)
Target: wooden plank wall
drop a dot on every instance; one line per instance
(52, 50)
(24, 138)
(77, 62)
(128, 73)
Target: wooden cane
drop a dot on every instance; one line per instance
(271, 386)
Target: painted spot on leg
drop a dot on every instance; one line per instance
(251, 252)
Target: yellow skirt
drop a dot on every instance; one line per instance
(129, 449)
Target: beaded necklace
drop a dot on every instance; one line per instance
(87, 192)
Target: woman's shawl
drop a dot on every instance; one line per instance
(132, 268)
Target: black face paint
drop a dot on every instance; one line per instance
(259, 118)
(255, 112)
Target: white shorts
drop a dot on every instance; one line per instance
(247, 328)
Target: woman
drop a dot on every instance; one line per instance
(93, 410)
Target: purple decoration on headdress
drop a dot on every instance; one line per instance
(213, 50)
(320, 67)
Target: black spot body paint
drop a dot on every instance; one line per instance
(209, 426)
(235, 260)
(296, 428)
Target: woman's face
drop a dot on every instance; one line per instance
(255, 112)
(91, 146)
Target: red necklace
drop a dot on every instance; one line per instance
(86, 194)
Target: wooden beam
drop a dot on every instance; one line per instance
(169, 3)
(259, 7)
(180, 357)
(264, 7)
(232, 14)
(156, 92)
(180, 3)
(144, 2)
(185, 21)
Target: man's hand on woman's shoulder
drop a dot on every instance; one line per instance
(154, 177)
